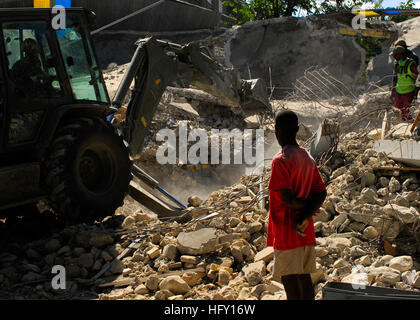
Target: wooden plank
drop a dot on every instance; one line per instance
(396, 168)
(175, 265)
(376, 34)
(365, 33)
(244, 200)
(119, 282)
(180, 273)
(385, 126)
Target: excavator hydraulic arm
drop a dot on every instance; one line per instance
(156, 64)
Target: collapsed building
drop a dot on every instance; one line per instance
(367, 230)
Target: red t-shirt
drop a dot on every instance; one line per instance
(293, 168)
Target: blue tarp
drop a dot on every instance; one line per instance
(393, 11)
(64, 3)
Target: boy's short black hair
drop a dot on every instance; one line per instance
(288, 122)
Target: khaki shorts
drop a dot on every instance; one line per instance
(294, 261)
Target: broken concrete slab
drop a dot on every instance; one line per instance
(175, 284)
(197, 242)
(100, 240)
(338, 243)
(359, 279)
(401, 263)
(386, 275)
(185, 107)
(326, 138)
(406, 152)
(229, 238)
(406, 215)
(254, 272)
(265, 255)
(170, 251)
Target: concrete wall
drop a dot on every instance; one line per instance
(290, 46)
(118, 46)
(169, 16)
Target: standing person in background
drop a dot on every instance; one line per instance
(297, 191)
(404, 89)
(410, 54)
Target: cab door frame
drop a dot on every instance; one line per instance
(62, 77)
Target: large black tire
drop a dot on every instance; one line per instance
(87, 171)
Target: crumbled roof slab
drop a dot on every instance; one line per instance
(406, 152)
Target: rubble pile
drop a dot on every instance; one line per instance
(359, 196)
(198, 110)
(367, 234)
(367, 230)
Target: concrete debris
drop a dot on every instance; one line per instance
(402, 263)
(265, 255)
(170, 251)
(52, 245)
(194, 201)
(101, 240)
(407, 152)
(175, 284)
(254, 272)
(416, 281)
(197, 242)
(366, 231)
(385, 275)
(117, 267)
(152, 283)
(326, 138)
(191, 278)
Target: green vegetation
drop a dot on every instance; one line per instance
(371, 45)
(250, 10)
(404, 5)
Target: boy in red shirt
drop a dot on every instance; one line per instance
(297, 191)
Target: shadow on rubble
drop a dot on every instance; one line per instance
(24, 224)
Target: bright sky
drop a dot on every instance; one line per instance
(385, 4)
(395, 3)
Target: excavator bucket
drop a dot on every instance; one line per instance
(152, 71)
(156, 64)
(255, 99)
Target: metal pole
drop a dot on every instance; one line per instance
(164, 192)
(261, 204)
(128, 17)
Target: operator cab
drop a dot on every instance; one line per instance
(43, 69)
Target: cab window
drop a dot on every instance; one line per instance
(31, 65)
(82, 68)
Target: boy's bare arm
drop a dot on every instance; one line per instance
(291, 201)
(308, 207)
(314, 202)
